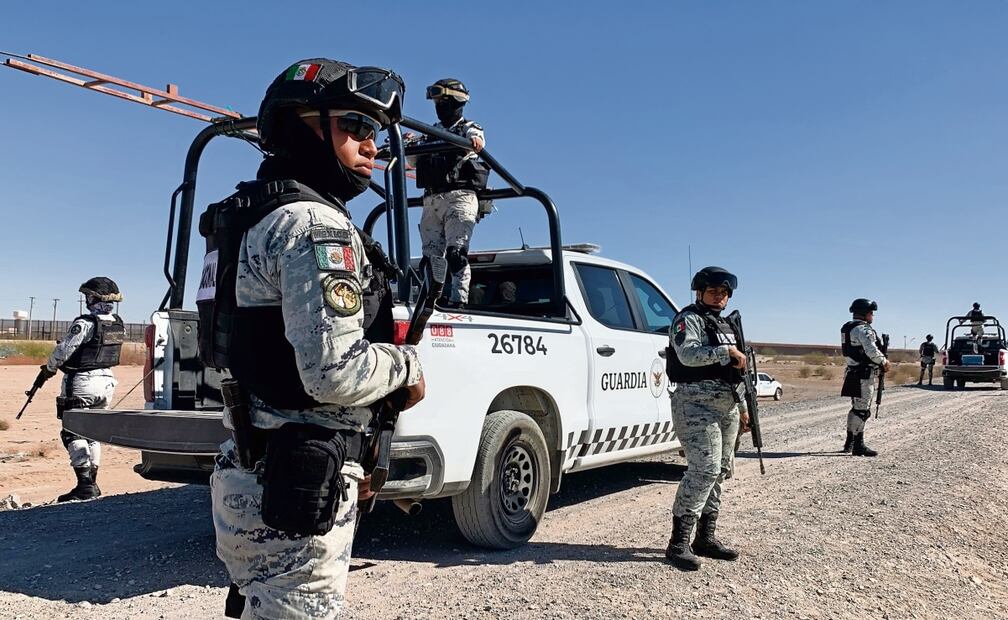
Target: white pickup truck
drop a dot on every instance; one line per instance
(515, 399)
(554, 366)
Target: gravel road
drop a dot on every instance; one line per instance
(916, 533)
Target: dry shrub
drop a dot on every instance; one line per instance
(4, 425)
(768, 352)
(900, 374)
(26, 352)
(804, 372)
(823, 372)
(45, 450)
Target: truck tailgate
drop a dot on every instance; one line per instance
(173, 432)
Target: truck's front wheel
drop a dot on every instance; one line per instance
(507, 496)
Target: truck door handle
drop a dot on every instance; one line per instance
(661, 353)
(605, 350)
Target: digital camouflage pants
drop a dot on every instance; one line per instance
(861, 407)
(282, 576)
(448, 220)
(93, 389)
(705, 417)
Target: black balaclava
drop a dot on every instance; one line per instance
(449, 111)
(303, 156)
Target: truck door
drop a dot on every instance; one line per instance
(654, 313)
(620, 394)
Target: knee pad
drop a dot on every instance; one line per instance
(457, 258)
(864, 414)
(66, 437)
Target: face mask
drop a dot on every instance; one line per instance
(448, 111)
(311, 160)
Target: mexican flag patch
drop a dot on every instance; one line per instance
(305, 72)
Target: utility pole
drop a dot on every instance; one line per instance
(55, 302)
(31, 306)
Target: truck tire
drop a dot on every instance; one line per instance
(961, 384)
(506, 498)
(778, 394)
(947, 382)
(1004, 384)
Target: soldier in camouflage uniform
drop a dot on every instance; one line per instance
(86, 355)
(928, 350)
(862, 348)
(302, 274)
(450, 181)
(704, 363)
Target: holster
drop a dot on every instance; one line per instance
(852, 383)
(302, 477)
(67, 402)
(250, 442)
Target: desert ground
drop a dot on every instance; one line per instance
(917, 532)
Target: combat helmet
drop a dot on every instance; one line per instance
(101, 288)
(862, 306)
(448, 87)
(714, 276)
(322, 84)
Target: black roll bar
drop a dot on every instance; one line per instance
(966, 322)
(395, 202)
(233, 128)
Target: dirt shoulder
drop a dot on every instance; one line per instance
(33, 462)
(916, 533)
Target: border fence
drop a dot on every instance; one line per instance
(18, 329)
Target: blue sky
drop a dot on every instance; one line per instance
(821, 151)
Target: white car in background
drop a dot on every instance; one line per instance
(768, 386)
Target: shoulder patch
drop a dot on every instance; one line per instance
(328, 234)
(75, 329)
(342, 294)
(335, 257)
(680, 326)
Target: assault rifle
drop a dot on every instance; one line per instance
(749, 379)
(881, 376)
(40, 380)
(434, 269)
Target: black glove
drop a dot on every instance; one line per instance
(45, 373)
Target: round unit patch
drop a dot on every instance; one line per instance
(342, 295)
(656, 378)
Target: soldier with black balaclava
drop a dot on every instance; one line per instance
(863, 350)
(86, 355)
(928, 350)
(450, 179)
(298, 310)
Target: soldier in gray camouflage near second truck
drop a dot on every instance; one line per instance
(866, 359)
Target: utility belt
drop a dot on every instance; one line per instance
(299, 466)
(444, 189)
(862, 371)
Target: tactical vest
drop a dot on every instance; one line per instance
(102, 349)
(929, 349)
(250, 342)
(849, 349)
(718, 332)
(449, 170)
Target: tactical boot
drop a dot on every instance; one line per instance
(94, 479)
(85, 489)
(860, 449)
(678, 550)
(849, 440)
(706, 545)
